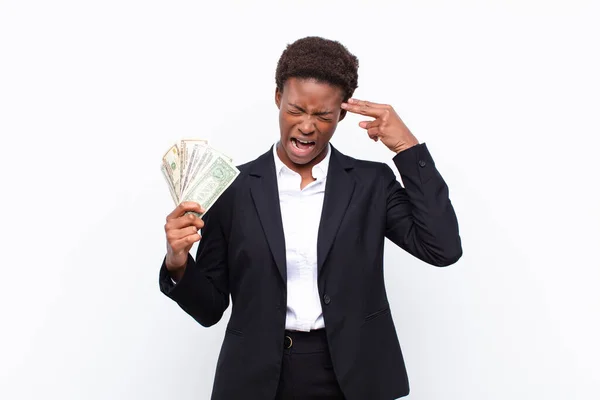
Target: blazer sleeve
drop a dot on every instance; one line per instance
(203, 290)
(420, 217)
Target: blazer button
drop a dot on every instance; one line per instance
(326, 299)
(422, 164)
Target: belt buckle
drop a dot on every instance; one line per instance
(287, 342)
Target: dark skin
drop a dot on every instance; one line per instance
(182, 232)
(309, 112)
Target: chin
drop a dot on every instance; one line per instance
(301, 158)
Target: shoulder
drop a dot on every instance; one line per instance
(260, 162)
(362, 167)
(258, 165)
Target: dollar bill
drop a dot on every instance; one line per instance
(189, 149)
(205, 160)
(212, 181)
(194, 150)
(194, 171)
(172, 169)
(172, 190)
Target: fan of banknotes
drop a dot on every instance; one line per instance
(196, 172)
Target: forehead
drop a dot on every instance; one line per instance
(312, 92)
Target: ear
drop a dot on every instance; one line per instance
(278, 95)
(344, 100)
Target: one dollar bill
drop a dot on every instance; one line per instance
(212, 182)
(196, 172)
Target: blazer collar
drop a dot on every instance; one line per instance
(338, 193)
(264, 191)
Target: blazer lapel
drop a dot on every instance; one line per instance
(265, 194)
(338, 193)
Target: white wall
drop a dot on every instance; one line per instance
(505, 93)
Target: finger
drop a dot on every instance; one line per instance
(184, 207)
(185, 242)
(363, 109)
(199, 223)
(369, 124)
(373, 132)
(184, 221)
(367, 103)
(176, 234)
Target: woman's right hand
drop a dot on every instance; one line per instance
(182, 232)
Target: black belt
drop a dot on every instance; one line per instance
(306, 342)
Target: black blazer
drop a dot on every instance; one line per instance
(242, 254)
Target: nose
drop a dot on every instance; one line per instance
(306, 127)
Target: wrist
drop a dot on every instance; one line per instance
(173, 265)
(404, 146)
(175, 272)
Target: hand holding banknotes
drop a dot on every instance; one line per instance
(182, 232)
(196, 175)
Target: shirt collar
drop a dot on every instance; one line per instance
(319, 171)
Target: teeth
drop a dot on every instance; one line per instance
(303, 142)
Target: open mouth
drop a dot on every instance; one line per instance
(303, 145)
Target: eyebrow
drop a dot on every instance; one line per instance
(318, 113)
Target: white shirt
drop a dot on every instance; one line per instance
(301, 215)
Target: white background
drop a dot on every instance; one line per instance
(505, 93)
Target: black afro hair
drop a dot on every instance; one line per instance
(320, 59)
